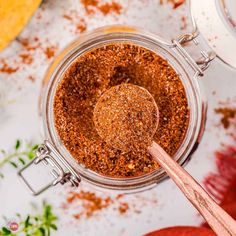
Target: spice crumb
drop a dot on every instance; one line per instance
(123, 208)
(81, 26)
(175, 3)
(28, 45)
(50, 52)
(228, 114)
(5, 68)
(78, 22)
(67, 17)
(26, 58)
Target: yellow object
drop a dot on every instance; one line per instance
(14, 15)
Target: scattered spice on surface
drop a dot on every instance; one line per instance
(96, 71)
(228, 114)
(126, 117)
(29, 49)
(110, 7)
(89, 3)
(106, 8)
(81, 26)
(123, 208)
(26, 58)
(5, 68)
(50, 52)
(29, 45)
(89, 203)
(175, 3)
(86, 203)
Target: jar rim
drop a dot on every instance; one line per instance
(108, 35)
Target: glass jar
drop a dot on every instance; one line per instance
(53, 152)
(66, 167)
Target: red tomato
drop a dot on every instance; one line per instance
(182, 231)
(230, 195)
(231, 209)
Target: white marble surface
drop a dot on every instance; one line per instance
(19, 119)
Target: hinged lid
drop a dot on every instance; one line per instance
(216, 21)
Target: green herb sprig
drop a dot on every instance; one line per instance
(34, 225)
(20, 154)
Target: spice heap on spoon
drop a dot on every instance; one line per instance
(126, 117)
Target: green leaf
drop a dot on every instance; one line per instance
(34, 147)
(53, 217)
(53, 226)
(19, 154)
(31, 155)
(42, 231)
(18, 144)
(27, 223)
(47, 211)
(13, 164)
(6, 231)
(21, 160)
(1, 175)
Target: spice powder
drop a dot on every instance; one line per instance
(126, 117)
(96, 71)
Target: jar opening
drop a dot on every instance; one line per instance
(184, 148)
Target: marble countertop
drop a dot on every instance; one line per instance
(53, 26)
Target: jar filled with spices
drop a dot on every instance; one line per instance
(115, 55)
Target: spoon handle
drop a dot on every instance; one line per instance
(217, 218)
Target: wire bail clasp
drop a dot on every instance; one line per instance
(202, 63)
(61, 169)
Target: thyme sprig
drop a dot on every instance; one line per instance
(20, 154)
(34, 225)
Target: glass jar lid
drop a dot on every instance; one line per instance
(216, 21)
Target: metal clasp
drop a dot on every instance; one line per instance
(199, 65)
(62, 170)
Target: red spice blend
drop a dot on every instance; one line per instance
(88, 77)
(126, 117)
